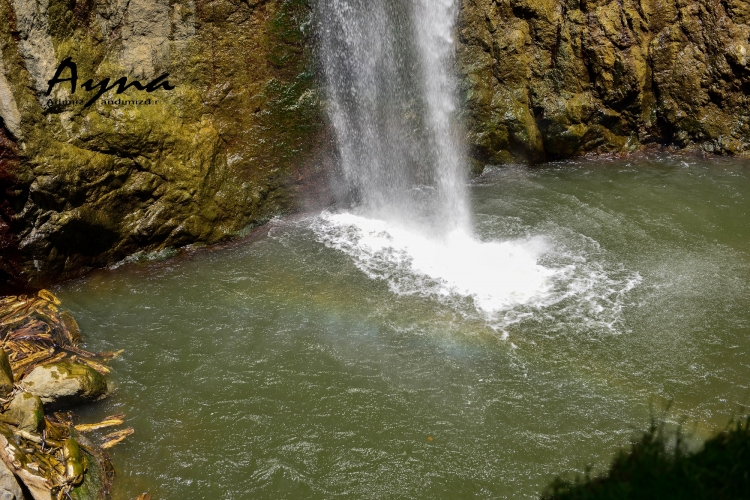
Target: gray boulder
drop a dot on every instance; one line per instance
(9, 488)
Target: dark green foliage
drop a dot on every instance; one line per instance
(652, 470)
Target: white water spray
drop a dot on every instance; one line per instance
(392, 101)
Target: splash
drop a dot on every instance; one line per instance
(559, 278)
(392, 102)
(496, 275)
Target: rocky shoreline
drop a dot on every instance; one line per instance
(44, 374)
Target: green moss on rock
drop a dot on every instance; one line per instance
(220, 152)
(27, 411)
(97, 478)
(604, 76)
(65, 383)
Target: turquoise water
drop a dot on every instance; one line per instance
(331, 356)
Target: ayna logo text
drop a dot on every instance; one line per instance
(121, 84)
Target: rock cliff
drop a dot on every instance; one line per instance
(550, 79)
(215, 146)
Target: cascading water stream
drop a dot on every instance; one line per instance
(392, 100)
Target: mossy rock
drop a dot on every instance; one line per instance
(223, 150)
(602, 76)
(97, 480)
(27, 411)
(65, 383)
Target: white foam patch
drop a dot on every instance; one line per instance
(496, 275)
(562, 279)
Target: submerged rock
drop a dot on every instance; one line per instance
(6, 374)
(27, 411)
(98, 477)
(65, 383)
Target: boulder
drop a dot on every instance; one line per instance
(27, 412)
(6, 374)
(65, 383)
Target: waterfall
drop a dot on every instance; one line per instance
(392, 99)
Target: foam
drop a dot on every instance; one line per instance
(497, 275)
(506, 281)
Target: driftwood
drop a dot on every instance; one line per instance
(116, 437)
(109, 422)
(35, 331)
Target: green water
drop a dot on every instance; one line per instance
(277, 368)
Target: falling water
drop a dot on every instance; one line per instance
(392, 103)
(392, 100)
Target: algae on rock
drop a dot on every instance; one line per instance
(65, 382)
(84, 187)
(550, 79)
(26, 411)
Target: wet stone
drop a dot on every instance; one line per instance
(65, 383)
(27, 411)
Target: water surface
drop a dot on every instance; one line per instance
(330, 356)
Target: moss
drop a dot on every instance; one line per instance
(94, 485)
(26, 411)
(37, 416)
(93, 382)
(206, 160)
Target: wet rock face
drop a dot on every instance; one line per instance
(548, 79)
(87, 186)
(227, 147)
